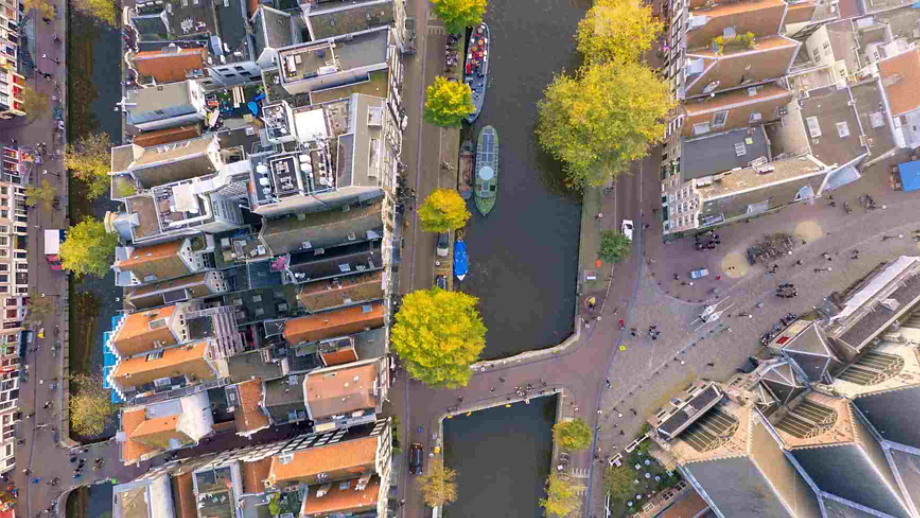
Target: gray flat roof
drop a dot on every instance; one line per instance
(827, 115)
(717, 153)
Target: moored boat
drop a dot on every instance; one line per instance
(486, 180)
(465, 171)
(476, 68)
(460, 261)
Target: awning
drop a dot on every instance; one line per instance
(910, 175)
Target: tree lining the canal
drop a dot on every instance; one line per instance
(438, 335)
(448, 103)
(613, 109)
(615, 246)
(617, 30)
(439, 486)
(573, 435)
(563, 495)
(443, 210)
(89, 160)
(458, 15)
(88, 248)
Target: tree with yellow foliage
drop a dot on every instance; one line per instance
(447, 103)
(88, 248)
(91, 407)
(103, 11)
(457, 15)
(601, 120)
(89, 160)
(438, 486)
(562, 495)
(44, 7)
(438, 334)
(617, 30)
(443, 210)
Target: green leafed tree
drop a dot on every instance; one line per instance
(104, 11)
(447, 103)
(617, 30)
(573, 435)
(598, 122)
(562, 496)
(44, 194)
(88, 248)
(89, 160)
(458, 15)
(438, 485)
(91, 407)
(439, 334)
(40, 307)
(615, 246)
(618, 482)
(443, 210)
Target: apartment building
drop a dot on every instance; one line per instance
(340, 17)
(313, 328)
(148, 431)
(346, 395)
(12, 83)
(14, 288)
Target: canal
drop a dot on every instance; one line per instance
(524, 255)
(502, 457)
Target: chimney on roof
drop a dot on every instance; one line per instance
(893, 79)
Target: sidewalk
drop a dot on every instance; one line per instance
(41, 449)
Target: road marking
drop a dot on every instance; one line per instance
(435, 30)
(580, 473)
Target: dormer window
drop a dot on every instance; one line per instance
(710, 87)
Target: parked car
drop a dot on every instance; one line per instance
(441, 282)
(627, 228)
(443, 244)
(416, 454)
(698, 274)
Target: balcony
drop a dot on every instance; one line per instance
(729, 44)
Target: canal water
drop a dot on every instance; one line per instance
(502, 458)
(524, 256)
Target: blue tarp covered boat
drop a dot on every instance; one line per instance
(460, 264)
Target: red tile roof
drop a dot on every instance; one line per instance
(169, 65)
(900, 76)
(249, 415)
(334, 323)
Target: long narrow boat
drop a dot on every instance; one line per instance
(476, 68)
(460, 261)
(486, 191)
(465, 171)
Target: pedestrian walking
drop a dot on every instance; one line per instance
(46, 20)
(491, 389)
(501, 380)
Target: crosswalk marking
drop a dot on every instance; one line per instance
(580, 473)
(436, 30)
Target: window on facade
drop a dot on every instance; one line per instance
(718, 120)
(755, 116)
